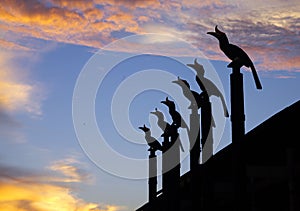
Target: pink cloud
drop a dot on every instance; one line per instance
(266, 33)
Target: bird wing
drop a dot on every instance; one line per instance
(235, 51)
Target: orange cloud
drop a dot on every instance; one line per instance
(23, 190)
(70, 170)
(133, 4)
(6, 44)
(124, 21)
(66, 21)
(77, 4)
(55, 23)
(93, 23)
(16, 196)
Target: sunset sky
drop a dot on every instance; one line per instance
(48, 46)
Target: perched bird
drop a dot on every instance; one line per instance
(152, 142)
(168, 129)
(178, 121)
(207, 85)
(162, 124)
(195, 98)
(235, 54)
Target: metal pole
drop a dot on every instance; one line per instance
(238, 132)
(165, 145)
(207, 131)
(194, 137)
(171, 174)
(165, 173)
(152, 180)
(237, 105)
(175, 173)
(195, 150)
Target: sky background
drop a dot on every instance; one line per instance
(46, 45)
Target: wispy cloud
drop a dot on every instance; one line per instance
(24, 189)
(18, 95)
(70, 170)
(64, 171)
(268, 30)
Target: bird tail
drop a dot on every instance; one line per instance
(255, 76)
(181, 146)
(226, 114)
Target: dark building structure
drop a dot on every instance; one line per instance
(268, 172)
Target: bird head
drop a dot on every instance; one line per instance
(144, 128)
(198, 67)
(157, 113)
(169, 103)
(221, 36)
(181, 82)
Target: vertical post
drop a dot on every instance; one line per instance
(152, 180)
(171, 174)
(207, 152)
(238, 132)
(195, 150)
(206, 129)
(165, 146)
(166, 173)
(175, 173)
(194, 137)
(237, 105)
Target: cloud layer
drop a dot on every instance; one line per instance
(268, 30)
(17, 93)
(23, 189)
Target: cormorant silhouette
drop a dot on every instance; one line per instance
(236, 54)
(194, 97)
(168, 129)
(162, 124)
(207, 85)
(178, 121)
(152, 142)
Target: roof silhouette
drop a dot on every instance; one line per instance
(271, 167)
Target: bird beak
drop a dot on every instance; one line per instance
(192, 65)
(144, 128)
(218, 31)
(216, 35)
(163, 102)
(176, 82)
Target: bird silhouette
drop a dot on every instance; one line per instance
(168, 129)
(195, 98)
(151, 141)
(207, 85)
(178, 121)
(235, 54)
(162, 124)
